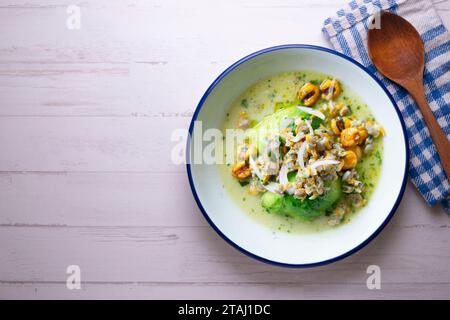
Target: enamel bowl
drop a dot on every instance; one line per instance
(240, 230)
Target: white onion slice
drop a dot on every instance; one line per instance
(331, 105)
(286, 122)
(290, 189)
(319, 163)
(312, 111)
(311, 131)
(282, 176)
(301, 155)
(254, 168)
(272, 187)
(346, 175)
(298, 137)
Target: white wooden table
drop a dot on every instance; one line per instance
(85, 173)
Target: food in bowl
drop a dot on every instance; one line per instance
(310, 153)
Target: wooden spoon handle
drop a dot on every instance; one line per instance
(439, 138)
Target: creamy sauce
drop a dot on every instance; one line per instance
(263, 98)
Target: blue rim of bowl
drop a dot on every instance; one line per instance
(188, 156)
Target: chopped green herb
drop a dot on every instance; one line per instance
(243, 183)
(315, 122)
(292, 126)
(244, 103)
(273, 94)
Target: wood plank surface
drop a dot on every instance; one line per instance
(86, 177)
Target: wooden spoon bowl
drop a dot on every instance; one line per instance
(398, 52)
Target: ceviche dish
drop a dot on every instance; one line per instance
(309, 154)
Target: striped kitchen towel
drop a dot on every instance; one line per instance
(347, 31)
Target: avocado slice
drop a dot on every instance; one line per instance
(304, 209)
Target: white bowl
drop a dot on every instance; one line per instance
(311, 249)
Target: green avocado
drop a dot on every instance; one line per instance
(304, 209)
(287, 204)
(271, 124)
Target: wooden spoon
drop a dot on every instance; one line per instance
(398, 52)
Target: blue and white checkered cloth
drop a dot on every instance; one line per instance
(347, 32)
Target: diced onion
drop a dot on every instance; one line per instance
(312, 111)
